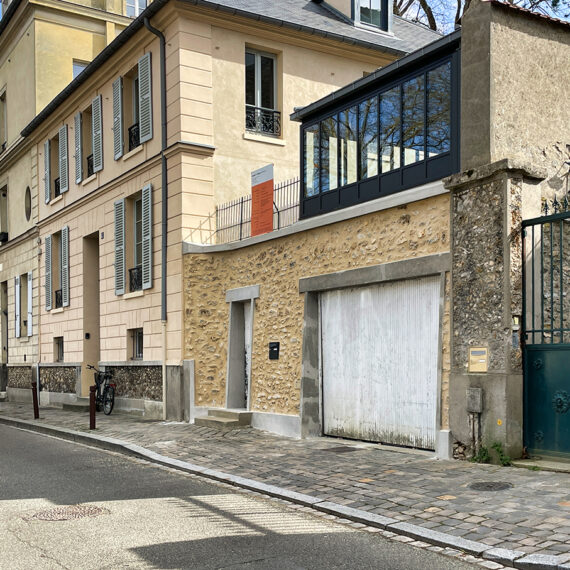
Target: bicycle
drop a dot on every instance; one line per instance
(105, 393)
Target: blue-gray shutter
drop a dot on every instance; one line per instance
(63, 166)
(47, 173)
(78, 151)
(147, 237)
(48, 273)
(17, 301)
(97, 133)
(120, 247)
(65, 266)
(145, 98)
(30, 302)
(118, 118)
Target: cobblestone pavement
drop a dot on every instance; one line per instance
(531, 515)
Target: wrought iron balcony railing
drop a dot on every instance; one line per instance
(135, 279)
(58, 299)
(56, 188)
(264, 121)
(89, 165)
(134, 137)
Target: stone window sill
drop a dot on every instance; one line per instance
(90, 179)
(133, 294)
(56, 200)
(263, 139)
(132, 153)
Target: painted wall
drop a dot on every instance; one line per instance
(413, 230)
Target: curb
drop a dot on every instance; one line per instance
(510, 558)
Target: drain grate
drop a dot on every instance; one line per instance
(68, 513)
(341, 449)
(490, 486)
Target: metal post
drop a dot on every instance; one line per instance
(35, 400)
(240, 216)
(92, 406)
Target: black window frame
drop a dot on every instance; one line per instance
(429, 169)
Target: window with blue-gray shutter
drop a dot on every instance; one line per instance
(78, 151)
(63, 166)
(120, 247)
(17, 301)
(145, 98)
(147, 237)
(65, 266)
(49, 294)
(118, 118)
(97, 132)
(47, 173)
(30, 302)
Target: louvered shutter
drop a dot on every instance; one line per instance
(63, 168)
(145, 98)
(17, 301)
(48, 273)
(78, 150)
(118, 118)
(30, 302)
(47, 173)
(120, 247)
(97, 128)
(65, 266)
(147, 237)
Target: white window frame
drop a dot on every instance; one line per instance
(136, 7)
(258, 54)
(357, 20)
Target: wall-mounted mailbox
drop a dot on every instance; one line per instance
(273, 351)
(478, 358)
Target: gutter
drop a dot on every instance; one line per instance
(164, 204)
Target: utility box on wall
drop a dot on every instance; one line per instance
(474, 400)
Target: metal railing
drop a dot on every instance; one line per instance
(135, 279)
(58, 299)
(264, 121)
(134, 137)
(89, 165)
(233, 219)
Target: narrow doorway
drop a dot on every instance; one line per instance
(239, 357)
(4, 326)
(91, 311)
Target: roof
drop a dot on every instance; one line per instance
(305, 16)
(522, 10)
(354, 88)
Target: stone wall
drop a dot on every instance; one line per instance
(19, 376)
(59, 379)
(413, 230)
(138, 381)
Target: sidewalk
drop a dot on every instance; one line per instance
(526, 525)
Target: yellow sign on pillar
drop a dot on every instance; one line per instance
(478, 359)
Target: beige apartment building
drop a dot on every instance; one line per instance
(132, 157)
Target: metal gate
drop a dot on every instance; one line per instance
(546, 328)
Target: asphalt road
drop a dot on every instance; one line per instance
(119, 512)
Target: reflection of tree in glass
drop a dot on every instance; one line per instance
(439, 110)
(328, 133)
(413, 119)
(312, 160)
(390, 128)
(368, 140)
(347, 133)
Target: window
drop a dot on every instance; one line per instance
(57, 269)
(396, 138)
(78, 67)
(261, 114)
(56, 174)
(135, 7)
(132, 107)
(58, 349)
(23, 305)
(89, 141)
(133, 242)
(4, 214)
(135, 342)
(3, 121)
(372, 13)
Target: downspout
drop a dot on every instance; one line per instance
(164, 229)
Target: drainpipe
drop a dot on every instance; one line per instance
(164, 230)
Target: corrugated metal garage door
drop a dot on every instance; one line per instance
(379, 358)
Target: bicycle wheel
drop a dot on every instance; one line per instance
(108, 399)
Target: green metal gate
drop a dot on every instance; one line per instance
(546, 328)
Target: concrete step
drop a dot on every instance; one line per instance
(217, 422)
(82, 405)
(243, 417)
(3, 397)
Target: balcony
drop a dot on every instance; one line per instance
(58, 299)
(134, 137)
(135, 279)
(89, 165)
(263, 121)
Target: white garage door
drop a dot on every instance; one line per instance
(380, 355)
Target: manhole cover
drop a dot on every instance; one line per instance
(341, 449)
(67, 513)
(490, 486)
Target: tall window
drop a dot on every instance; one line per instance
(89, 140)
(57, 269)
(56, 171)
(135, 8)
(4, 214)
(136, 341)
(58, 355)
(3, 121)
(23, 304)
(261, 114)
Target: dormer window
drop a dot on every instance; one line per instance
(373, 13)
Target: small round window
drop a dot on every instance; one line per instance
(28, 204)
